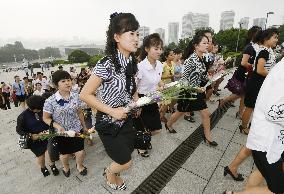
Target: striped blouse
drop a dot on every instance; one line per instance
(112, 91)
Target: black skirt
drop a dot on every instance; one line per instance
(187, 105)
(150, 116)
(38, 147)
(69, 145)
(252, 89)
(119, 147)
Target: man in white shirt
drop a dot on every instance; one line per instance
(39, 91)
(41, 80)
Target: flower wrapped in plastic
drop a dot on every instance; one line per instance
(47, 135)
(170, 92)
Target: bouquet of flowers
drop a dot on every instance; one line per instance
(217, 75)
(171, 91)
(47, 135)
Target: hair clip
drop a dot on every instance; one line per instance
(113, 15)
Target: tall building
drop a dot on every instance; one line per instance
(227, 20)
(161, 32)
(244, 22)
(173, 32)
(143, 32)
(193, 21)
(259, 22)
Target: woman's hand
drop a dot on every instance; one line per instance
(60, 129)
(118, 113)
(35, 137)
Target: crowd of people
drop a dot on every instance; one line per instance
(127, 73)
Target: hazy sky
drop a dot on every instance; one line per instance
(64, 19)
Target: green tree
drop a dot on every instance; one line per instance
(281, 34)
(228, 39)
(94, 59)
(78, 56)
(182, 44)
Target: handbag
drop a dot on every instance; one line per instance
(24, 141)
(52, 145)
(142, 136)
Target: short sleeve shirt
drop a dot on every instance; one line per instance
(168, 70)
(113, 91)
(65, 114)
(149, 77)
(19, 88)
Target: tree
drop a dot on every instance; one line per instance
(228, 39)
(281, 34)
(182, 44)
(94, 59)
(78, 56)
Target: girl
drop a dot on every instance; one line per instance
(30, 121)
(194, 73)
(148, 80)
(63, 112)
(110, 88)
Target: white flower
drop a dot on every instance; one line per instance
(70, 133)
(143, 100)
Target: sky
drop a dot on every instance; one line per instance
(88, 19)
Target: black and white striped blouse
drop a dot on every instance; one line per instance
(113, 88)
(194, 70)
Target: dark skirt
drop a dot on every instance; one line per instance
(187, 105)
(252, 89)
(69, 145)
(38, 147)
(150, 116)
(273, 173)
(119, 147)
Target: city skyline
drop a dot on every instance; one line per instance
(87, 20)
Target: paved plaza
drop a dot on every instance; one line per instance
(201, 173)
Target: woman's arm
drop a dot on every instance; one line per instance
(245, 62)
(81, 118)
(87, 94)
(21, 125)
(47, 118)
(260, 67)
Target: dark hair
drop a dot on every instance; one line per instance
(267, 34)
(60, 75)
(191, 45)
(253, 34)
(177, 51)
(119, 24)
(204, 31)
(38, 83)
(149, 41)
(25, 78)
(35, 102)
(165, 54)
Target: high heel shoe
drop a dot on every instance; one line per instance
(238, 116)
(220, 103)
(228, 171)
(170, 130)
(111, 185)
(211, 143)
(243, 130)
(143, 154)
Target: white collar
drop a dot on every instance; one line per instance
(59, 97)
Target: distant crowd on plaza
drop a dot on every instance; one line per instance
(67, 101)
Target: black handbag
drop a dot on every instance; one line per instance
(24, 141)
(52, 145)
(143, 135)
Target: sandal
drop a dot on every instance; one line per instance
(66, 174)
(54, 170)
(243, 130)
(111, 185)
(45, 172)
